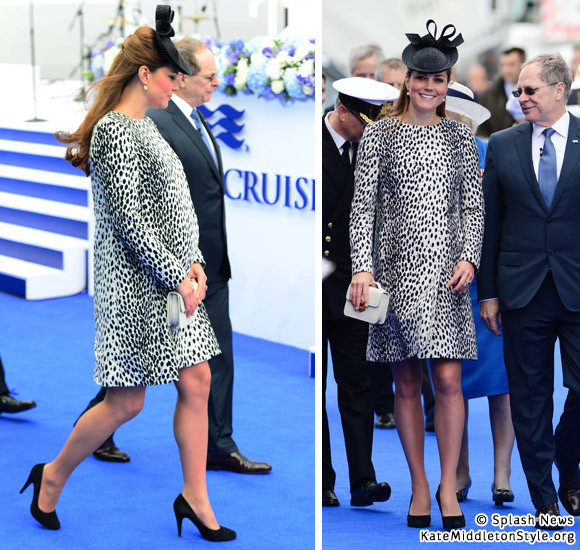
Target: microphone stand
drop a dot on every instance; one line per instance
(79, 14)
(33, 63)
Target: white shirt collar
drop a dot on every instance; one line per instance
(560, 127)
(338, 139)
(184, 107)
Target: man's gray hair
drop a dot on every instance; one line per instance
(553, 69)
(363, 51)
(393, 63)
(187, 48)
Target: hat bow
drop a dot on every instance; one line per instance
(431, 40)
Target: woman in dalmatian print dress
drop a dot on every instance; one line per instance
(145, 245)
(416, 228)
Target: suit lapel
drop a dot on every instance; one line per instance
(186, 125)
(219, 169)
(571, 156)
(523, 145)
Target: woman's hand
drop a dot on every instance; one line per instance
(197, 273)
(187, 291)
(359, 289)
(462, 277)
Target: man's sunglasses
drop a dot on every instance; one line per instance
(530, 91)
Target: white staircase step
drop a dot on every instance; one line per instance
(41, 282)
(32, 148)
(46, 177)
(44, 207)
(37, 237)
(24, 270)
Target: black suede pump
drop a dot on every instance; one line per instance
(183, 510)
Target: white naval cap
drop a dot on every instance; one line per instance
(366, 89)
(364, 96)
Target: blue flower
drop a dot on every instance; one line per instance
(293, 83)
(237, 44)
(232, 55)
(257, 78)
(229, 78)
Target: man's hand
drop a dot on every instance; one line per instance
(491, 315)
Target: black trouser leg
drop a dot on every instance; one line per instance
(220, 414)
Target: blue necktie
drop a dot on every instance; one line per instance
(548, 170)
(199, 126)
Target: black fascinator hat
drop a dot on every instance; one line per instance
(164, 31)
(429, 54)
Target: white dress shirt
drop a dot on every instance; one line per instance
(559, 139)
(338, 139)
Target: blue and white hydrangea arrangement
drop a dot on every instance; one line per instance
(267, 67)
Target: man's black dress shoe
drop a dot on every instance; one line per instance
(569, 490)
(108, 452)
(329, 498)
(238, 463)
(10, 405)
(544, 514)
(385, 421)
(370, 492)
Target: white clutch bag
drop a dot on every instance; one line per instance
(375, 311)
(176, 309)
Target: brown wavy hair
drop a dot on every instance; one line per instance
(402, 103)
(140, 48)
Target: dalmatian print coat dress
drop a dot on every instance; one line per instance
(418, 210)
(146, 238)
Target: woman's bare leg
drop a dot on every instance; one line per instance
(92, 428)
(449, 420)
(408, 377)
(502, 432)
(462, 475)
(190, 429)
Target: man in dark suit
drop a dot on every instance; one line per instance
(186, 131)
(342, 129)
(496, 96)
(529, 276)
(9, 404)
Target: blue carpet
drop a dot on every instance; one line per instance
(384, 525)
(46, 347)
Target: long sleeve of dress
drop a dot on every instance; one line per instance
(471, 201)
(115, 170)
(362, 214)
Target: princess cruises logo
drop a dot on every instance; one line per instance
(225, 128)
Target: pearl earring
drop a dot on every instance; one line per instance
(145, 87)
(444, 98)
(408, 93)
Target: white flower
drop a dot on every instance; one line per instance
(266, 42)
(307, 90)
(277, 86)
(273, 69)
(256, 57)
(282, 58)
(240, 81)
(108, 57)
(307, 68)
(242, 67)
(302, 51)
